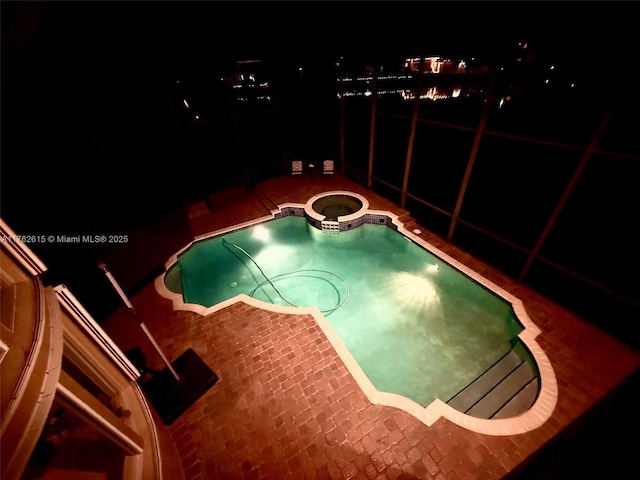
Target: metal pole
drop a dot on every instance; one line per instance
(342, 126)
(412, 134)
(129, 306)
(372, 129)
(565, 195)
(472, 158)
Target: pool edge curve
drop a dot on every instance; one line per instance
(531, 419)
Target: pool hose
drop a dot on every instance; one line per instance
(269, 281)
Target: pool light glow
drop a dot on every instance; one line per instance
(433, 268)
(261, 232)
(414, 291)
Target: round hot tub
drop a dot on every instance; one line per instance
(335, 207)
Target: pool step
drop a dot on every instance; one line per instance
(507, 389)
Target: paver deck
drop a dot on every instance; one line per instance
(286, 406)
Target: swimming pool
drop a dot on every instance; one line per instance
(413, 326)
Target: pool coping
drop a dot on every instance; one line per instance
(533, 418)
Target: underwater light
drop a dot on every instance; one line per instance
(261, 233)
(414, 290)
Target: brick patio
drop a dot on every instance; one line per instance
(286, 406)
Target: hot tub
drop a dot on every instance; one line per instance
(337, 210)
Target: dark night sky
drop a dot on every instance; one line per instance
(164, 35)
(95, 72)
(99, 48)
(107, 44)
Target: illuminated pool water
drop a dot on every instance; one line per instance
(417, 327)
